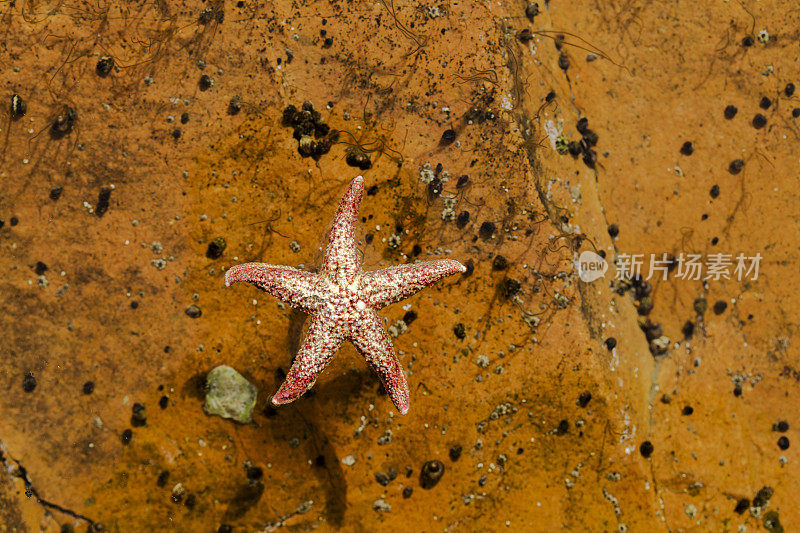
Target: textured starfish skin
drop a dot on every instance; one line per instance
(343, 302)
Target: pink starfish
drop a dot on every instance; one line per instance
(343, 301)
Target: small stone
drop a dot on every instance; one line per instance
(229, 395)
(432, 472)
(193, 311)
(381, 506)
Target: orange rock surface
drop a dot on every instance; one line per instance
(108, 216)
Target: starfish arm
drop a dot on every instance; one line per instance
(341, 256)
(374, 344)
(295, 287)
(322, 340)
(383, 287)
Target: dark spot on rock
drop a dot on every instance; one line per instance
(55, 192)
(432, 472)
(462, 219)
(759, 121)
(736, 166)
(102, 201)
(434, 187)
(532, 10)
(510, 287)
(368, 238)
(652, 330)
(448, 137)
(290, 116)
(562, 428)
(407, 492)
(796, 112)
(574, 148)
(462, 181)
(613, 231)
(382, 479)
(563, 61)
(763, 496)
(470, 268)
(328, 42)
(254, 473)
(410, 316)
(176, 133)
(550, 97)
(765, 103)
(486, 230)
(687, 148)
(748, 41)
(39, 268)
(688, 329)
(783, 442)
(499, 262)
(687, 410)
(235, 105)
(88, 387)
(193, 311)
(781, 427)
(645, 306)
(742, 506)
(646, 449)
(460, 331)
(610, 343)
(13, 221)
(163, 402)
(772, 522)
(730, 111)
(719, 307)
(714, 192)
(372, 191)
(163, 477)
(789, 90)
(205, 82)
(589, 158)
(525, 36)
(191, 501)
(584, 399)
(104, 66)
(455, 452)
(737, 390)
(134, 304)
(216, 247)
(28, 382)
(126, 436)
(184, 118)
(138, 415)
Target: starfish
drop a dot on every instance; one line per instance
(343, 301)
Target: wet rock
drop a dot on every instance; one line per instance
(229, 395)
